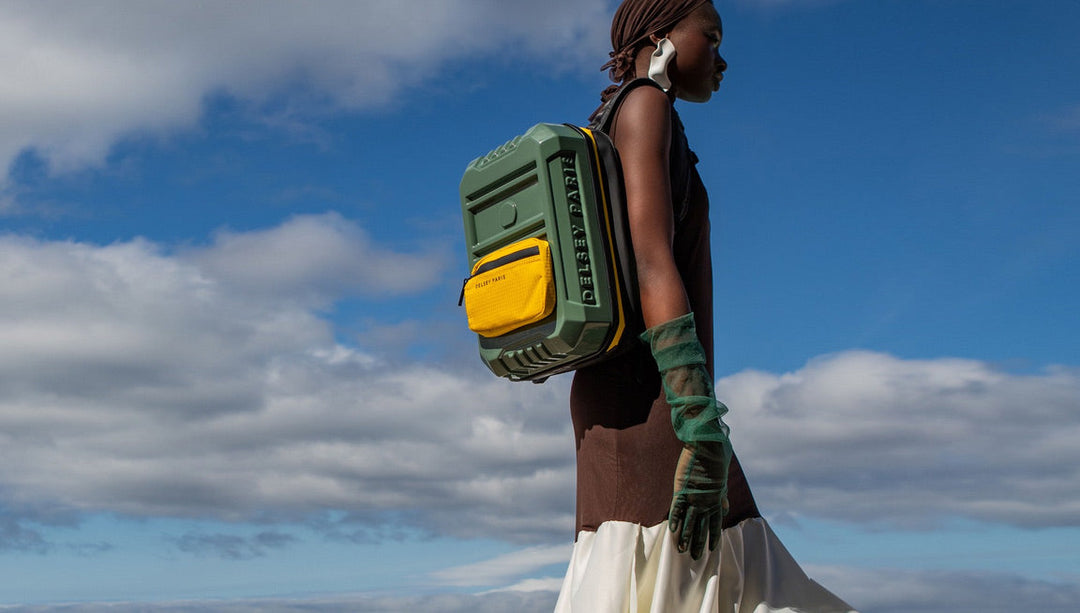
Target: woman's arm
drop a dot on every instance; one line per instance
(642, 135)
(643, 138)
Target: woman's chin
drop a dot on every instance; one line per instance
(703, 96)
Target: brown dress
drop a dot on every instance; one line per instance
(626, 446)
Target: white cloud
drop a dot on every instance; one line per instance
(549, 584)
(924, 591)
(153, 384)
(79, 76)
(500, 569)
(147, 384)
(868, 437)
(870, 590)
(315, 258)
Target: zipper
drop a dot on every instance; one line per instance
(509, 258)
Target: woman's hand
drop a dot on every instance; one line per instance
(700, 502)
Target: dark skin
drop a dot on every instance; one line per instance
(642, 134)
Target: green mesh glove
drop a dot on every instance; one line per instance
(700, 497)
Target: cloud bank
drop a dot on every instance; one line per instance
(202, 383)
(80, 76)
(870, 438)
(149, 384)
(871, 591)
(207, 383)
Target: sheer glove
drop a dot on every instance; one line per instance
(700, 490)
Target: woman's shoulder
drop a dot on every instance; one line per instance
(644, 113)
(646, 92)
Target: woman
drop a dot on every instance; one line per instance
(648, 418)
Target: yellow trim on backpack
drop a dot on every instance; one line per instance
(510, 288)
(611, 246)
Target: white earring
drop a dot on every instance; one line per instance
(658, 64)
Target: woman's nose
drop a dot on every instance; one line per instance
(721, 65)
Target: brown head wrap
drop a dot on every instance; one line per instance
(634, 21)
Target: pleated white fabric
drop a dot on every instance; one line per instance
(627, 568)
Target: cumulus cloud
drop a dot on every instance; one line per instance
(79, 76)
(868, 437)
(148, 383)
(315, 258)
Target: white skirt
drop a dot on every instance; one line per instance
(626, 568)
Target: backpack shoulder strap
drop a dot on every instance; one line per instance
(601, 120)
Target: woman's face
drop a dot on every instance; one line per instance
(698, 68)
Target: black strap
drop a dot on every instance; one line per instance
(683, 158)
(602, 120)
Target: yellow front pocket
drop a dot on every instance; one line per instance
(510, 287)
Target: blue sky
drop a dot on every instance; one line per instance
(233, 375)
